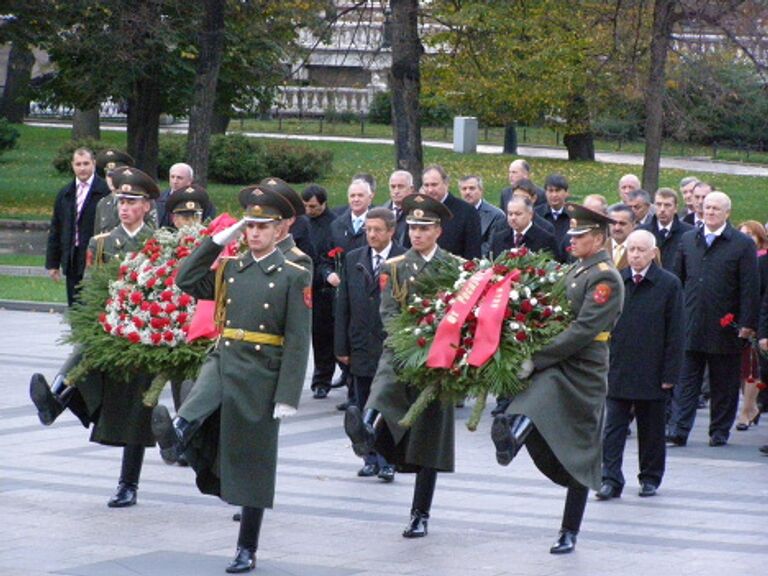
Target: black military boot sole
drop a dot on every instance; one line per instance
(359, 433)
(503, 439)
(165, 434)
(48, 408)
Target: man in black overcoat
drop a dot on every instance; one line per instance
(667, 227)
(645, 362)
(717, 265)
(523, 231)
(74, 215)
(359, 333)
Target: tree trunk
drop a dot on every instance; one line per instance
(405, 83)
(144, 108)
(219, 123)
(15, 100)
(510, 139)
(663, 19)
(580, 146)
(85, 124)
(206, 78)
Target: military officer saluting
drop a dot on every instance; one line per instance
(428, 446)
(113, 406)
(227, 427)
(109, 163)
(559, 417)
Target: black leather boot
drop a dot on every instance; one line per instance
(566, 542)
(171, 435)
(360, 430)
(244, 561)
(417, 527)
(50, 402)
(508, 434)
(125, 495)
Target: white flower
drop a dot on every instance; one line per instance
(514, 295)
(534, 301)
(514, 326)
(557, 309)
(527, 291)
(416, 331)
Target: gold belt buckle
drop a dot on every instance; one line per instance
(239, 334)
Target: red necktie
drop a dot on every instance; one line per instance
(637, 278)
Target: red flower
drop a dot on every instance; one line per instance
(182, 318)
(157, 323)
(469, 266)
(103, 317)
(168, 336)
(507, 313)
(166, 295)
(413, 310)
(500, 269)
(521, 336)
(185, 300)
(421, 341)
(520, 317)
(169, 282)
(161, 271)
(727, 320)
(107, 327)
(134, 276)
(155, 309)
(138, 322)
(429, 319)
(156, 338)
(460, 352)
(134, 337)
(526, 307)
(170, 307)
(426, 303)
(137, 298)
(546, 313)
(145, 306)
(541, 272)
(335, 252)
(171, 263)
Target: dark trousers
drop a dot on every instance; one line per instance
(362, 389)
(73, 277)
(724, 375)
(250, 527)
(650, 439)
(322, 338)
(424, 490)
(133, 458)
(575, 504)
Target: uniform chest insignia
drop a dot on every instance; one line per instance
(602, 294)
(383, 281)
(308, 296)
(271, 267)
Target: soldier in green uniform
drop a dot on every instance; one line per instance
(108, 163)
(113, 406)
(428, 446)
(228, 425)
(559, 417)
(187, 206)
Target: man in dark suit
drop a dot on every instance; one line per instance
(699, 193)
(666, 226)
(74, 214)
(527, 190)
(461, 235)
(492, 220)
(359, 333)
(622, 226)
(320, 217)
(554, 212)
(180, 177)
(519, 170)
(640, 202)
(644, 366)
(522, 231)
(400, 186)
(686, 194)
(718, 268)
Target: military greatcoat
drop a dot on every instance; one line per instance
(116, 407)
(566, 396)
(234, 452)
(430, 441)
(294, 254)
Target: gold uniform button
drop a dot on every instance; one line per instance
(231, 280)
(261, 326)
(411, 279)
(573, 285)
(229, 322)
(280, 269)
(257, 347)
(266, 304)
(271, 284)
(226, 342)
(229, 300)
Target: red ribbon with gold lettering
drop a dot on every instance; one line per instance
(448, 333)
(490, 316)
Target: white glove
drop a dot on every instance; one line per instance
(526, 369)
(283, 410)
(224, 237)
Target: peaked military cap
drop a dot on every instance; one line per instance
(423, 209)
(133, 183)
(111, 158)
(285, 190)
(263, 204)
(583, 219)
(193, 198)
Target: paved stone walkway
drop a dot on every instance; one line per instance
(709, 517)
(688, 164)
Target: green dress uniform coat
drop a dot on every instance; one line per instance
(293, 253)
(116, 407)
(566, 396)
(429, 443)
(234, 452)
(107, 217)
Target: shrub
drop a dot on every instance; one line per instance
(345, 117)
(295, 163)
(172, 149)
(62, 162)
(8, 136)
(380, 110)
(236, 159)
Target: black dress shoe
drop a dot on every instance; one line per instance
(717, 441)
(124, 496)
(320, 392)
(236, 517)
(48, 407)
(244, 561)
(676, 440)
(501, 406)
(764, 449)
(607, 491)
(361, 434)
(508, 434)
(417, 527)
(566, 542)
(387, 473)
(166, 435)
(647, 489)
(368, 470)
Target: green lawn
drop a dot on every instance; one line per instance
(34, 289)
(22, 260)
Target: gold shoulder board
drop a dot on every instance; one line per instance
(299, 266)
(396, 259)
(603, 267)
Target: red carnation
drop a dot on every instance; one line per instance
(182, 318)
(520, 317)
(156, 338)
(526, 307)
(335, 252)
(157, 323)
(507, 313)
(469, 266)
(170, 307)
(138, 322)
(137, 298)
(168, 336)
(169, 282)
(161, 271)
(171, 263)
(145, 306)
(541, 272)
(521, 336)
(413, 310)
(421, 341)
(500, 269)
(107, 327)
(103, 317)
(166, 295)
(546, 313)
(460, 352)
(155, 309)
(185, 300)
(134, 276)
(727, 320)
(134, 337)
